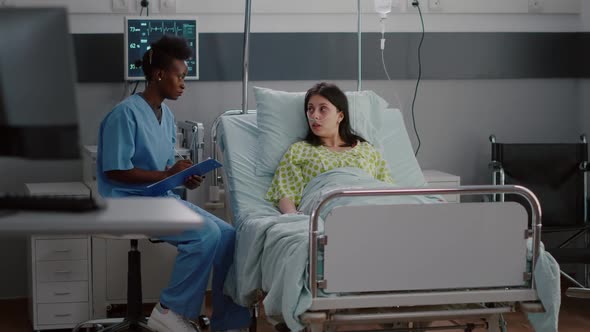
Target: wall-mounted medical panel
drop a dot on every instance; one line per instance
(332, 56)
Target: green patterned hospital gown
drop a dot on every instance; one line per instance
(303, 161)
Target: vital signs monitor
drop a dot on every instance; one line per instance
(140, 32)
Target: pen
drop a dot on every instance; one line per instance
(178, 154)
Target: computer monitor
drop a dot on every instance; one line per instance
(140, 32)
(38, 114)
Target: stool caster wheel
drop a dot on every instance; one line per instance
(203, 322)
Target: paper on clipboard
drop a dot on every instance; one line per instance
(200, 169)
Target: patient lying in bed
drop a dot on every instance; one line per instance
(272, 250)
(330, 144)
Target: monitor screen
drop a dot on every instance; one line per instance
(140, 32)
(38, 114)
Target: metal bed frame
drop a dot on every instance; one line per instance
(325, 316)
(327, 313)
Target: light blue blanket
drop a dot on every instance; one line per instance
(547, 277)
(272, 251)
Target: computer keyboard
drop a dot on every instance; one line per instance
(48, 203)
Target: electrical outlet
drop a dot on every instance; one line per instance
(398, 6)
(167, 6)
(121, 6)
(434, 5)
(414, 9)
(536, 6)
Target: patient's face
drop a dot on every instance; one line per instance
(323, 117)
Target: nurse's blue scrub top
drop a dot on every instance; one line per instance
(130, 137)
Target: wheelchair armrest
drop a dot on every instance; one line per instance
(580, 293)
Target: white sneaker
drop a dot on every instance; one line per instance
(165, 320)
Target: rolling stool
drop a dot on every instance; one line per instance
(134, 319)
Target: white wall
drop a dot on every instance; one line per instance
(454, 118)
(91, 16)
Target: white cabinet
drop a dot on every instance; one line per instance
(440, 179)
(60, 279)
(59, 269)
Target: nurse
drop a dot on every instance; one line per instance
(136, 146)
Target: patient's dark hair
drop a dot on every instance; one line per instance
(162, 54)
(335, 96)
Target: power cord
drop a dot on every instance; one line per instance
(144, 4)
(417, 5)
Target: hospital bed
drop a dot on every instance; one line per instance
(361, 263)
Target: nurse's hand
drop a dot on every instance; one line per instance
(194, 181)
(179, 166)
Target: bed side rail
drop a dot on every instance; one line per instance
(315, 236)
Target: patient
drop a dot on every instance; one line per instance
(330, 143)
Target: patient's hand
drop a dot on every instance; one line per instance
(286, 206)
(194, 182)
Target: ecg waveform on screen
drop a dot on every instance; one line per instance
(161, 28)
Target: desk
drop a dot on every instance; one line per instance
(121, 217)
(124, 216)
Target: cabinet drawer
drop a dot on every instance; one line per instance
(53, 271)
(62, 313)
(58, 292)
(61, 250)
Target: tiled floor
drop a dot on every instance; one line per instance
(574, 317)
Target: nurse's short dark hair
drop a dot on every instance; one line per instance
(162, 54)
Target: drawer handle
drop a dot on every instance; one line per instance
(63, 271)
(62, 315)
(61, 293)
(62, 250)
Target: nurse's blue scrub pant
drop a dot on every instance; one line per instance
(212, 245)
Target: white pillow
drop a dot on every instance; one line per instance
(282, 122)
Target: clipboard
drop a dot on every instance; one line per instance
(162, 186)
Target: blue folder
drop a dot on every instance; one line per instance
(200, 169)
